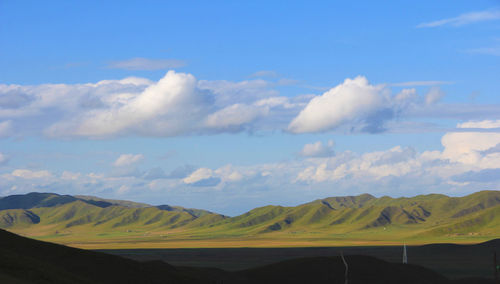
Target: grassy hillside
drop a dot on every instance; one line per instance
(351, 220)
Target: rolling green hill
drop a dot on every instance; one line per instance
(92, 221)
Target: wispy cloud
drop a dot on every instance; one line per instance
(5, 128)
(140, 63)
(464, 19)
(3, 159)
(128, 160)
(420, 83)
(264, 73)
(318, 149)
(486, 50)
(287, 82)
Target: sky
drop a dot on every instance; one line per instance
(232, 105)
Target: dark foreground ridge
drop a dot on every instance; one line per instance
(25, 260)
(450, 260)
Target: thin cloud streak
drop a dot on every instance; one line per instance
(464, 19)
(264, 73)
(420, 83)
(495, 51)
(147, 64)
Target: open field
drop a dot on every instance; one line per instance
(139, 242)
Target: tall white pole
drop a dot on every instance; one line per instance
(405, 256)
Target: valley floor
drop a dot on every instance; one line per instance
(145, 239)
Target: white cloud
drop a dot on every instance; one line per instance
(318, 149)
(123, 189)
(471, 147)
(29, 174)
(228, 93)
(235, 115)
(176, 105)
(229, 174)
(140, 63)
(353, 100)
(464, 19)
(275, 102)
(43, 104)
(180, 105)
(469, 160)
(199, 174)
(434, 95)
(128, 160)
(405, 98)
(67, 175)
(322, 173)
(5, 128)
(136, 81)
(202, 177)
(165, 108)
(370, 166)
(3, 159)
(218, 178)
(357, 106)
(486, 124)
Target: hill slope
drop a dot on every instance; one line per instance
(422, 216)
(351, 219)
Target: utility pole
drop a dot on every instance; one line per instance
(405, 256)
(346, 267)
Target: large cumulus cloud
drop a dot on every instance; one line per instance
(358, 106)
(179, 105)
(353, 100)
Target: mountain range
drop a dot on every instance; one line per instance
(93, 221)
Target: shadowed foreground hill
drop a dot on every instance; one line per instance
(29, 261)
(451, 260)
(331, 270)
(25, 260)
(362, 269)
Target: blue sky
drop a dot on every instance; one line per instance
(227, 105)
